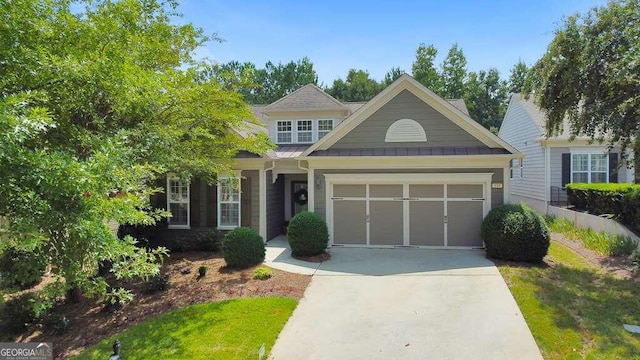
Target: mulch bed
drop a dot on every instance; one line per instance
(325, 256)
(91, 323)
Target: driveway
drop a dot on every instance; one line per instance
(402, 304)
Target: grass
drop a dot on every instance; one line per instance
(601, 242)
(573, 310)
(233, 329)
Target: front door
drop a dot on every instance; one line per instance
(299, 197)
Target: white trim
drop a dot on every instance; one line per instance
(262, 190)
(219, 203)
(405, 130)
(311, 189)
(547, 175)
(406, 82)
(408, 162)
(506, 186)
(405, 180)
(589, 171)
(315, 130)
(173, 177)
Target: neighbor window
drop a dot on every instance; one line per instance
(178, 202)
(228, 203)
(516, 169)
(305, 131)
(589, 168)
(324, 127)
(284, 132)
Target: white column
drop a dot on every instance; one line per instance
(311, 189)
(262, 178)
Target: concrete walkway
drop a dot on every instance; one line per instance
(401, 304)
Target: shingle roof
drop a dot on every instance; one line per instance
(418, 151)
(460, 105)
(538, 116)
(290, 151)
(308, 97)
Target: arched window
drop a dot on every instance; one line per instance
(405, 130)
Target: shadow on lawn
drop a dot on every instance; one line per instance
(593, 304)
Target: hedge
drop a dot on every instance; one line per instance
(621, 201)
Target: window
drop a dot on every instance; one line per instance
(515, 169)
(324, 127)
(228, 203)
(589, 168)
(284, 132)
(305, 131)
(178, 203)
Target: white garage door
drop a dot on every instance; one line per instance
(407, 214)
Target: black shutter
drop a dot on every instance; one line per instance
(566, 169)
(613, 167)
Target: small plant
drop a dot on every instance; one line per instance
(262, 273)
(202, 271)
(607, 244)
(307, 234)
(243, 247)
(56, 323)
(156, 283)
(635, 259)
(206, 240)
(516, 233)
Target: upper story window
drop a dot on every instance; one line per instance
(178, 202)
(284, 132)
(589, 168)
(324, 127)
(305, 131)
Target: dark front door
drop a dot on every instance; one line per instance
(299, 197)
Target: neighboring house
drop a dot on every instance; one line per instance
(406, 168)
(549, 164)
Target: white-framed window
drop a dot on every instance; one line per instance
(304, 131)
(178, 203)
(516, 169)
(589, 168)
(228, 203)
(324, 127)
(284, 132)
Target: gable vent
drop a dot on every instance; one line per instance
(405, 130)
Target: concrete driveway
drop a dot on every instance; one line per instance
(402, 304)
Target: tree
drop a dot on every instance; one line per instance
(486, 98)
(424, 70)
(358, 86)
(518, 77)
(96, 100)
(391, 76)
(454, 73)
(590, 75)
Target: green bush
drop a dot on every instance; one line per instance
(19, 313)
(307, 234)
(262, 273)
(156, 283)
(202, 271)
(516, 233)
(243, 247)
(22, 268)
(598, 199)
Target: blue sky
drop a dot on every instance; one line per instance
(378, 35)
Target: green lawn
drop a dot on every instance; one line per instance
(574, 311)
(232, 329)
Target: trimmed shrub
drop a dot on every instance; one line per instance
(156, 283)
(243, 247)
(22, 268)
(515, 233)
(262, 273)
(307, 234)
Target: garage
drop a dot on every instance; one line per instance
(412, 210)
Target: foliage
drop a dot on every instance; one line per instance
(601, 242)
(518, 77)
(621, 201)
(56, 323)
(454, 73)
(635, 258)
(590, 75)
(202, 271)
(424, 69)
(21, 267)
(574, 311)
(156, 283)
(515, 232)
(97, 100)
(262, 273)
(19, 313)
(197, 332)
(486, 97)
(202, 240)
(391, 76)
(307, 234)
(265, 85)
(358, 86)
(243, 247)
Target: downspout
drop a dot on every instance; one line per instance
(273, 166)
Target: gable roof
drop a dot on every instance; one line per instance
(406, 82)
(460, 105)
(308, 97)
